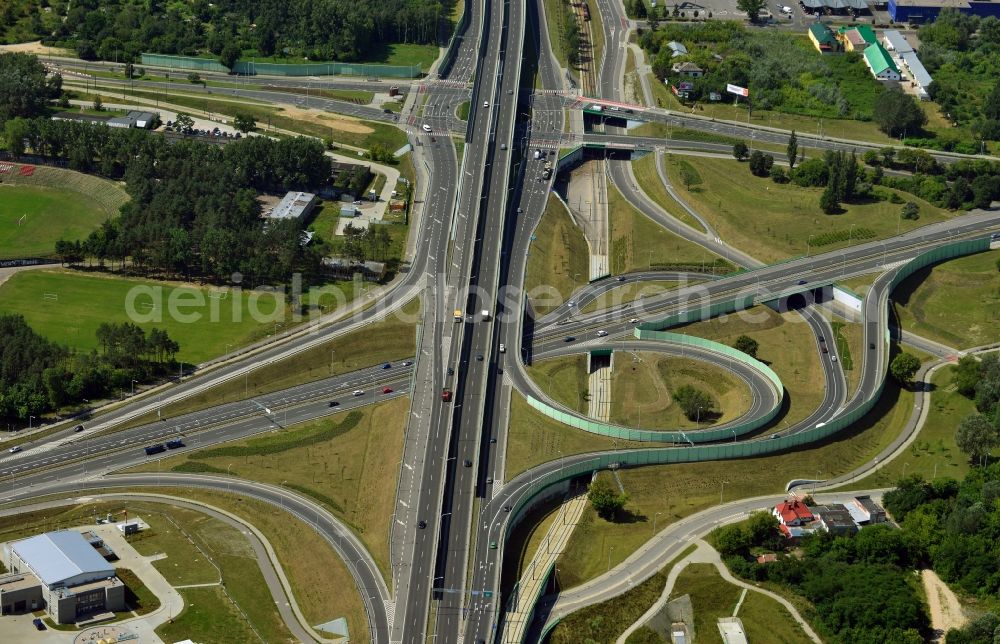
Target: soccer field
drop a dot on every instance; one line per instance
(34, 218)
(67, 307)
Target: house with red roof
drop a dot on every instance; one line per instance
(793, 513)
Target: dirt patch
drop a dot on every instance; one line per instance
(943, 605)
(341, 123)
(35, 47)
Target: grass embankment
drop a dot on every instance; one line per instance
(556, 14)
(564, 379)
(462, 111)
(558, 259)
(533, 439)
(604, 622)
(68, 306)
(52, 204)
(300, 120)
(638, 243)
(385, 341)
(346, 462)
(631, 292)
(837, 128)
(849, 337)
(785, 215)
(956, 302)
(786, 344)
(670, 492)
(648, 177)
(933, 452)
(642, 387)
(861, 284)
(199, 550)
(712, 597)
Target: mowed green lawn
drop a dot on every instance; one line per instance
(50, 214)
(956, 302)
(773, 221)
(68, 307)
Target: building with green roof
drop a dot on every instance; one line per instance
(822, 38)
(880, 63)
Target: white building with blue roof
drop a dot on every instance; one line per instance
(74, 579)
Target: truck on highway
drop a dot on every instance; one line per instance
(155, 449)
(458, 315)
(177, 443)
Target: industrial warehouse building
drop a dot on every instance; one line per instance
(920, 11)
(294, 205)
(62, 572)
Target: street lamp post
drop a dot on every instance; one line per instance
(654, 521)
(609, 557)
(229, 487)
(132, 392)
(722, 487)
(30, 418)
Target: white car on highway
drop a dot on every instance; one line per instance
(602, 333)
(427, 128)
(358, 392)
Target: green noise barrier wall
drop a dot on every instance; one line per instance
(743, 449)
(704, 313)
(693, 436)
(248, 67)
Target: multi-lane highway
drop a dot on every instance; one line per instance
(476, 222)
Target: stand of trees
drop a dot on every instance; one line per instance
(960, 53)
(696, 404)
(978, 434)
(858, 584)
(119, 30)
(606, 501)
(193, 208)
(24, 88)
(38, 376)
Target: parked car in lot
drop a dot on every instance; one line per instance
(39, 624)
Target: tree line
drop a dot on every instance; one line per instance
(193, 210)
(118, 30)
(964, 184)
(25, 90)
(979, 380)
(858, 584)
(39, 376)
